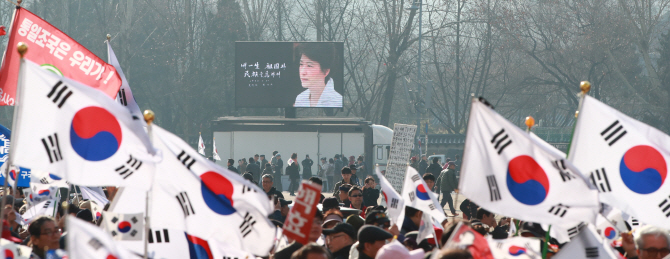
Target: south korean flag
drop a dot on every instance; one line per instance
(125, 227)
(625, 159)
(78, 133)
(508, 172)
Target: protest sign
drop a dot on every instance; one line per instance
(299, 220)
(401, 148)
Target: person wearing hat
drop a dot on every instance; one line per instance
(331, 219)
(339, 240)
(343, 195)
(370, 240)
(448, 182)
(354, 177)
(329, 204)
(395, 250)
(346, 179)
(281, 210)
(356, 221)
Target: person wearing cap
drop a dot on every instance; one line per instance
(354, 176)
(331, 219)
(448, 182)
(311, 251)
(346, 179)
(231, 166)
(281, 210)
(339, 240)
(396, 250)
(370, 240)
(330, 204)
(356, 221)
(343, 195)
(356, 198)
(267, 182)
(314, 235)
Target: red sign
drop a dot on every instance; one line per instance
(299, 220)
(465, 237)
(54, 51)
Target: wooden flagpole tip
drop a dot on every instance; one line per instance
(585, 86)
(149, 116)
(22, 48)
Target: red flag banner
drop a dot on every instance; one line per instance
(299, 220)
(465, 237)
(54, 51)
(2, 30)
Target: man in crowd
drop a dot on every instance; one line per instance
(370, 240)
(329, 204)
(448, 181)
(278, 167)
(254, 168)
(263, 161)
(430, 181)
(281, 210)
(314, 235)
(435, 168)
(267, 186)
(650, 242)
(338, 166)
(293, 172)
(356, 198)
(343, 195)
(232, 168)
(311, 251)
(339, 240)
(412, 220)
(354, 177)
(307, 167)
(423, 165)
(346, 179)
(257, 160)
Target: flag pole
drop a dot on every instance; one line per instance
(22, 48)
(149, 118)
(585, 87)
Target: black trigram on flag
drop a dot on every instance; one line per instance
(563, 170)
(129, 168)
(500, 141)
(247, 225)
(227, 257)
(247, 189)
(95, 243)
(122, 97)
(52, 146)
(46, 205)
(394, 203)
(412, 195)
(591, 252)
(493, 188)
(157, 236)
(559, 210)
(185, 203)
(59, 93)
(431, 206)
(664, 206)
(599, 179)
(572, 232)
(613, 133)
(186, 159)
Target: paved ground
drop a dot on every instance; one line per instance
(457, 201)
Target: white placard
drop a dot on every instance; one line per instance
(401, 149)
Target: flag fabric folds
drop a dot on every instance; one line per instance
(515, 248)
(625, 159)
(587, 244)
(395, 205)
(92, 242)
(77, 133)
(215, 152)
(507, 172)
(417, 195)
(55, 51)
(124, 226)
(125, 95)
(201, 145)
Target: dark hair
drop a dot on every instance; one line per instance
(72, 208)
(428, 176)
(435, 159)
(369, 178)
(274, 153)
(262, 155)
(346, 170)
(304, 251)
(331, 161)
(294, 155)
(269, 176)
(35, 228)
(251, 160)
(316, 180)
(481, 212)
(248, 176)
(255, 155)
(355, 188)
(318, 215)
(268, 165)
(322, 53)
(410, 212)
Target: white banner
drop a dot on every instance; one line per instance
(401, 149)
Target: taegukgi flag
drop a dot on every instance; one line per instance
(625, 159)
(507, 172)
(201, 145)
(588, 244)
(125, 96)
(92, 242)
(215, 152)
(78, 133)
(124, 226)
(515, 248)
(417, 195)
(395, 205)
(190, 190)
(55, 51)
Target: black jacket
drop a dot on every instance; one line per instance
(254, 169)
(233, 169)
(307, 168)
(434, 169)
(273, 191)
(342, 253)
(293, 170)
(422, 167)
(370, 196)
(286, 252)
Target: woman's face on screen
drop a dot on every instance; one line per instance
(310, 73)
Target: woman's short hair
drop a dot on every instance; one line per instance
(322, 53)
(304, 251)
